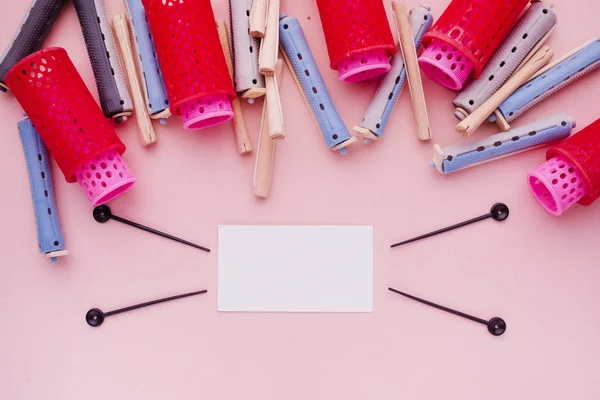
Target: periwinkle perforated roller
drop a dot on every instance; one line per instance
(455, 158)
(527, 36)
(30, 36)
(550, 80)
(381, 107)
(309, 78)
(115, 99)
(153, 86)
(245, 48)
(50, 237)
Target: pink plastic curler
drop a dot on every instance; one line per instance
(445, 65)
(557, 185)
(105, 178)
(364, 66)
(206, 112)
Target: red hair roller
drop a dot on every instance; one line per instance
(71, 124)
(192, 61)
(572, 172)
(358, 36)
(465, 38)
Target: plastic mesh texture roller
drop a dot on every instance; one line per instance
(533, 27)
(99, 40)
(30, 36)
(245, 48)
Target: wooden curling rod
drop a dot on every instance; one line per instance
(244, 143)
(479, 116)
(409, 53)
(263, 169)
(258, 18)
(269, 49)
(122, 32)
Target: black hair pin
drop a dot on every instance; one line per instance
(499, 213)
(103, 214)
(95, 317)
(496, 326)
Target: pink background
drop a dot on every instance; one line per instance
(538, 272)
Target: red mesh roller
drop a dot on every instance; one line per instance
(359, 38)
(471, 29)
(583, 152)
(191, 58)
(68, 119)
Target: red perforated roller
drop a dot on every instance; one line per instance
(465, 38)
(71, 123)
(571, 174)
(358, 36)
(192, 61)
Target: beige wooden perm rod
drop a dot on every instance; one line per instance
(258, 18)
(269, 47)
(479, 116)
(263, 169)
(123, 34)
(409, 53)
(243, 141)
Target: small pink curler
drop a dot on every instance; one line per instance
(206, 112)
(364, 66)
(557, 185)
(445, 65)
(105, 178)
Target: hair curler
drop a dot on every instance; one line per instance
(524, 138)
(195, 72)
(529, 34)
(548, 81)
(114, 97)
(465, 37)
(68, 119)
(310, 82)
(571, 174)
(155, 93)
(359, 38)
(50, 237)
(381, 107)
(31, 34)
(248, 79)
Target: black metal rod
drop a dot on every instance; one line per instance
(153, 302)
(460, 225)
(439, 307)
(159, 233)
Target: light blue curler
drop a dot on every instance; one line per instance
(551, 79)
(378, 114)
(301, 60)
(154, 90)
(50, 236)
(518, 140)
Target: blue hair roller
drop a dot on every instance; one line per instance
(50, 236)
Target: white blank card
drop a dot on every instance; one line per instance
(295, 268)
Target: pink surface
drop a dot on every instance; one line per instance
(540, 273)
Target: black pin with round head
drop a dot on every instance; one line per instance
(103, 214)
(95, 317)
(496, 326)
(499, 212)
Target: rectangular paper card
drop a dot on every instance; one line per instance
(295, 268)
